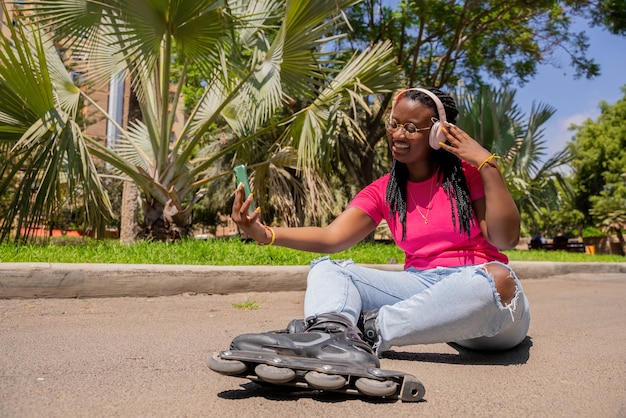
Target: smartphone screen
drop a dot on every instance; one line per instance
(241, 176)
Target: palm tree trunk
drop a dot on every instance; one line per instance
(620, 238)
(129, 229)
(130, 208)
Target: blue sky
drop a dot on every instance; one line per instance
(576, 100)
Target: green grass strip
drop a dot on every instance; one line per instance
(226, 252)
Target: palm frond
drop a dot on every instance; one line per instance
(533, 145)
(256, 17)
(289, 190)
(366, 72)
(135, 147)
(48, 154)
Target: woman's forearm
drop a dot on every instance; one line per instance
(501, 214)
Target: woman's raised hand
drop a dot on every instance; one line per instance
(250, 224)
(463, 146)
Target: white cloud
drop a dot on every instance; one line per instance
(576, 119)
(558, 133)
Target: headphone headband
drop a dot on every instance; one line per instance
(441, 112)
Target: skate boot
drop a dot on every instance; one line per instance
(329, 355)
(328, 336)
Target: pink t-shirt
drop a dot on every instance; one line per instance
(438, 242)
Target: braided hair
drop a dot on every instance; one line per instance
(451, 173)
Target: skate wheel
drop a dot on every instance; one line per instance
(378, 388)
(273, 374)
(325, 381)
(227, 367)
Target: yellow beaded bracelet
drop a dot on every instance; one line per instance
(269, 228)
(491, 157)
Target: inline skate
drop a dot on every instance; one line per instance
(322, 353)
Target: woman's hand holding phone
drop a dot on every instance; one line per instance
(245, 213)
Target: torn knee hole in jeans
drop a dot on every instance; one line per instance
(504, 283)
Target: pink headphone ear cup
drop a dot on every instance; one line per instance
(436, 136)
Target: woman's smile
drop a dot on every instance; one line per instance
(400, 145)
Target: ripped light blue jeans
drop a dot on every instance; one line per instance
(439, 305)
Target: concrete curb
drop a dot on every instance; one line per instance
(46, 280)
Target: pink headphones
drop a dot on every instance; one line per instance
(436, 135)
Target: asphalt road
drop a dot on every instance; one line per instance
(146, 357)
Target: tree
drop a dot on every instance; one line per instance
(599, 166)
(598, 151)
(606, 13)
(256, 56)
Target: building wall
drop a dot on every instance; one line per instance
(3, 21)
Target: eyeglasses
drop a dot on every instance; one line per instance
(408, 128)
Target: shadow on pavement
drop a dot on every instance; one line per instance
(517, 355)
(286, 393)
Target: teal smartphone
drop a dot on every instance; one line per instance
(241, 176)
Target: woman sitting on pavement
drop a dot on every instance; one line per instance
(449, 210)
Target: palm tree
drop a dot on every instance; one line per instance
(257, 57)
(491, 116)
